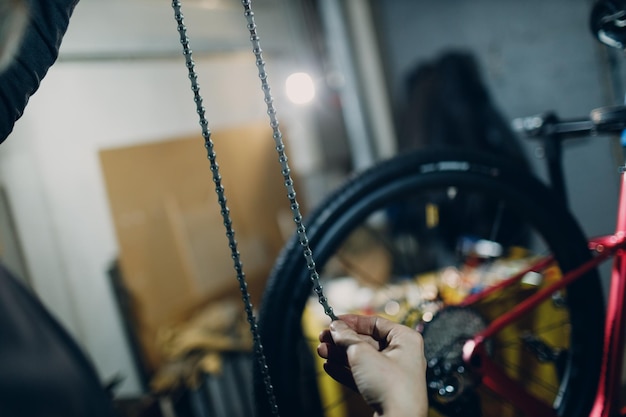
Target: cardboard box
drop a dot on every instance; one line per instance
(174, 254)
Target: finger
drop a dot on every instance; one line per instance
(345, 337)
(340, 374)
(342, 334)
(376, 327)
(333, 353)
(325, 336)
(323, 350)
(356, 328)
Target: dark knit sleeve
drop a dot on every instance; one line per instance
(39, 50)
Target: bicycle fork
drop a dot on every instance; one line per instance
(609, 385)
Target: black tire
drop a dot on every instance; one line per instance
(479, 177)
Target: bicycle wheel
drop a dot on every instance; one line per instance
(411, 239)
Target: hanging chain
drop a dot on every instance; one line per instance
(219, 189)
(282, 158)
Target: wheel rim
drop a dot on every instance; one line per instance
(511, 350)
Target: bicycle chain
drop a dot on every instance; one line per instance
(282, 158)
(221, 197)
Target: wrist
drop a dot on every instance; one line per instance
(403, 411)
(407, 405)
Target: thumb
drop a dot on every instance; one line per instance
(342, 334)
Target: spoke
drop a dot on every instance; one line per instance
(553, 326)
(496, 223)
(532, 378)
(512, 342)
(497, 399)
(543, 386)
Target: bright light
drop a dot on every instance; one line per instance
(300, 88)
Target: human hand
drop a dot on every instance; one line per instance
(382, 360)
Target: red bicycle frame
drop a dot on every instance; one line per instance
(606, 402)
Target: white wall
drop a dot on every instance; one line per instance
(51, 171)
(533, 61)
(121, 80)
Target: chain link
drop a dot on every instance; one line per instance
(225, 212)
(221, 197)
(282, 158)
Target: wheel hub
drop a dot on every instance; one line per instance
(444, 337)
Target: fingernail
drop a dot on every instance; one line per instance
(333, 325)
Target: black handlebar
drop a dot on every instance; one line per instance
(608, 24)
(610, 119)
